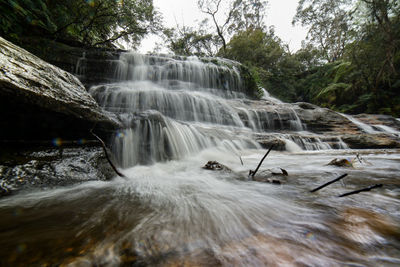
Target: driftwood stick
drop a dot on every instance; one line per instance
(328, 183)
(369, 188)
(252, 173)
(241, 161)
(107, 157)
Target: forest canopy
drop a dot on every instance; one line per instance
(89, 22)
(350, 60)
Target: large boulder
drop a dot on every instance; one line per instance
(39, 101)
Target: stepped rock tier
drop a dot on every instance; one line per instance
(168, 106)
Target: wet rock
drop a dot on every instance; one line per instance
(49, 168)
(266, 180)
(341, 163)
(39, 101)
(379, 119)
(305, 105)
(364, 227)
(266, 141)
(320, 128)
(282, 172)
(216, 166)
(371, 141)
(270, 176)
(325, 121)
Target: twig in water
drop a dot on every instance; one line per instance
(241, 161)
(358, 157)
(252, 173)
(369, 188)
(107, 157)
(328, 183)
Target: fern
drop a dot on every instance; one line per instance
(342, 69)
(333, 87)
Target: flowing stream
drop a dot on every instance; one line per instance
(178, 115)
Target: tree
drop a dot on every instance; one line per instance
(308, 56)
(18, 17)
(384, 15)
(328, 22)
(186, 41)
(255, 47)
(251, 16)
(93, 23)
(240, 15)
(375, 54)
(267, 58)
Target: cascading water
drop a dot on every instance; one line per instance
(175, 106)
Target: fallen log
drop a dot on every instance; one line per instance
(328, 183)
(107, 157)
(369, 188)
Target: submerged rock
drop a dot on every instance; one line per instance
(216, 166)
(272, 176)
(341, 163)
(39, 101)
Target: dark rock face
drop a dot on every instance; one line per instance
(39, 101)
(92, 66)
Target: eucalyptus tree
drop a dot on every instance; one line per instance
(328, 23)
(376, 54)
(187, 41)
(382, 23)
(231, 16)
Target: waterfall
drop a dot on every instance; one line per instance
(174, 107)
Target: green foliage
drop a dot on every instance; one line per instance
(255, 47)
(90, 22)
(365, 76)
(267, 59)
(187, 41)
(233, 16)
(328, 25)
(308, 57)
(332, 92)
(18, 17)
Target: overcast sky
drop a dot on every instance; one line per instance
(185, 12)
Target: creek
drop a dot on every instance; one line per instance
(178, 114)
